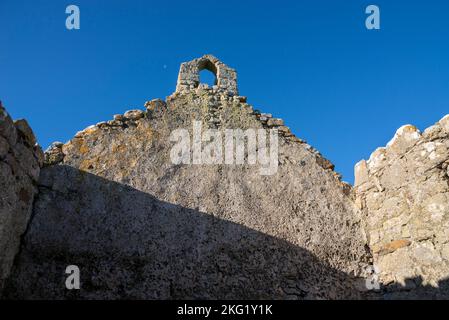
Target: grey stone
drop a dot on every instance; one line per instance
(155, 104)
(54, 153)
(7, 129)
(134, 115)
(19, 169)
(119, 117)
(23, 127)
(275, 122)
(4, 147)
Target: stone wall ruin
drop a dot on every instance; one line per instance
(403, 192)
(111, 201)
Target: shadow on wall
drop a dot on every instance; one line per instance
(414, 289)
(130, 245)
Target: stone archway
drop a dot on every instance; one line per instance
(189, 78)
(207, 66)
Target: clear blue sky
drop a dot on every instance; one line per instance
(339, 86)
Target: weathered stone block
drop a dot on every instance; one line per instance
(134, 115)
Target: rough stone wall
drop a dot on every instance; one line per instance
(403, 192)
(189, 78)
(139, 226)
(20, 160)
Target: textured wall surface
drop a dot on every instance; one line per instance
(112, 202)
(403, 192)
(20, 159)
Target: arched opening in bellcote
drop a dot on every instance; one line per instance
(207, 72)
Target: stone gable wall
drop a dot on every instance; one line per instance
(110, 199)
